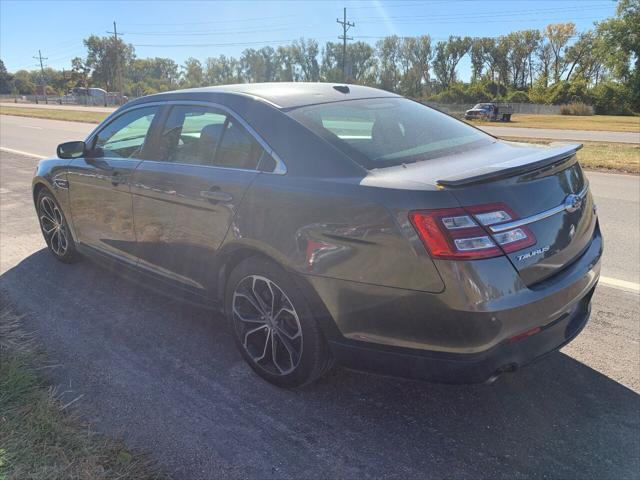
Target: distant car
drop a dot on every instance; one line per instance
(492, 111)
(335, 222)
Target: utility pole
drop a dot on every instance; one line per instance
(117, 81)
(345, 28)
(43, 82)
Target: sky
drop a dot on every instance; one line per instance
(202, 29)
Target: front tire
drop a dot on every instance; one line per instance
(273, 325)
(55, 228)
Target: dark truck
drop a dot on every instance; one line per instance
(491, 111)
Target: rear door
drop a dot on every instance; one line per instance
(99, 189)
(184, 198)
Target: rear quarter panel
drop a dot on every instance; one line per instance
(337, 228)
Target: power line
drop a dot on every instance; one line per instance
(484, 13)
(234, 44)
(239, 20)
(214, 32)
(345, 28)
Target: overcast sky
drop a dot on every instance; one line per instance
(179, 30)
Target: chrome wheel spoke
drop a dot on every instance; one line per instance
(47, 208)
(47, 225)
(58, 215)
(264, 329)
(55, 242)
(250, 301)
(291, 351)
(62, 234)
(266, 306)
(280, 326)
(268, 324)
(52, 224)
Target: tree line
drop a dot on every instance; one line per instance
(555, 65)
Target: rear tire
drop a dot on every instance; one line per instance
(55, 228)
(273, 325)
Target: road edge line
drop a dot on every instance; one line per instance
(620, 284)
(20, 152)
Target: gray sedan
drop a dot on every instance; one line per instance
(335, 223)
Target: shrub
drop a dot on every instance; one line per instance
(576, 108)
(518, 96)
(611, 98)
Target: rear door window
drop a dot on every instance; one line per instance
(192, 134)
(208, 136)
(238, 149)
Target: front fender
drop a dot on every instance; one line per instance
(52, 175)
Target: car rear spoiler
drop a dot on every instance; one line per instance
(512, 167)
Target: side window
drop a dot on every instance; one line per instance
(239, 149)
(191, 135)
(125, 136)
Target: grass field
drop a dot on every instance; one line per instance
(52, 114)
(613, 157)
(609, 123)
(40, 436)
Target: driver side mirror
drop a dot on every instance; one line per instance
(71, 150)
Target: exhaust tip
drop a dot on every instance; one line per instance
(508, 368)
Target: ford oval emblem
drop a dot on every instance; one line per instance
(572, 203)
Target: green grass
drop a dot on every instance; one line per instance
(611, 157)
(609, 123)
(42, 438)
(53, 114)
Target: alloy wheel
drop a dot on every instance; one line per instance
(52, 224)
(267, 325)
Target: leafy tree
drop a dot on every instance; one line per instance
(6, 83)
(80, 72)
(448, 55)
(558, 36)
(416, 56)
(192, 75)
(621, 45)
(108, 59)
(23, 83)
(361, 63)
(221, 70)
(304, 54)
(388, 50)
(258, 65)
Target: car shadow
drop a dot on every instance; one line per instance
(166, 376)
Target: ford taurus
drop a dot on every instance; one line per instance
(335, 223)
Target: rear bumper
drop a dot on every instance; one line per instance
(464, 334)
(464, 368)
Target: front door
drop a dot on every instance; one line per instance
(185, 199)
(99, 184)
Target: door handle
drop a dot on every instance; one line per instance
(216, 196)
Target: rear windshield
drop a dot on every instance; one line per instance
(383, 132)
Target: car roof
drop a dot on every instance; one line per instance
(286, 95)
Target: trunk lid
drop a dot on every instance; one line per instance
(542, 186)
(557, 207)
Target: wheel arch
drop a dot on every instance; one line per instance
(37, 187)
(233, 254)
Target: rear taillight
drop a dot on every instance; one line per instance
(459, 233)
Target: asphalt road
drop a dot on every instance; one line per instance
(167, 377)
